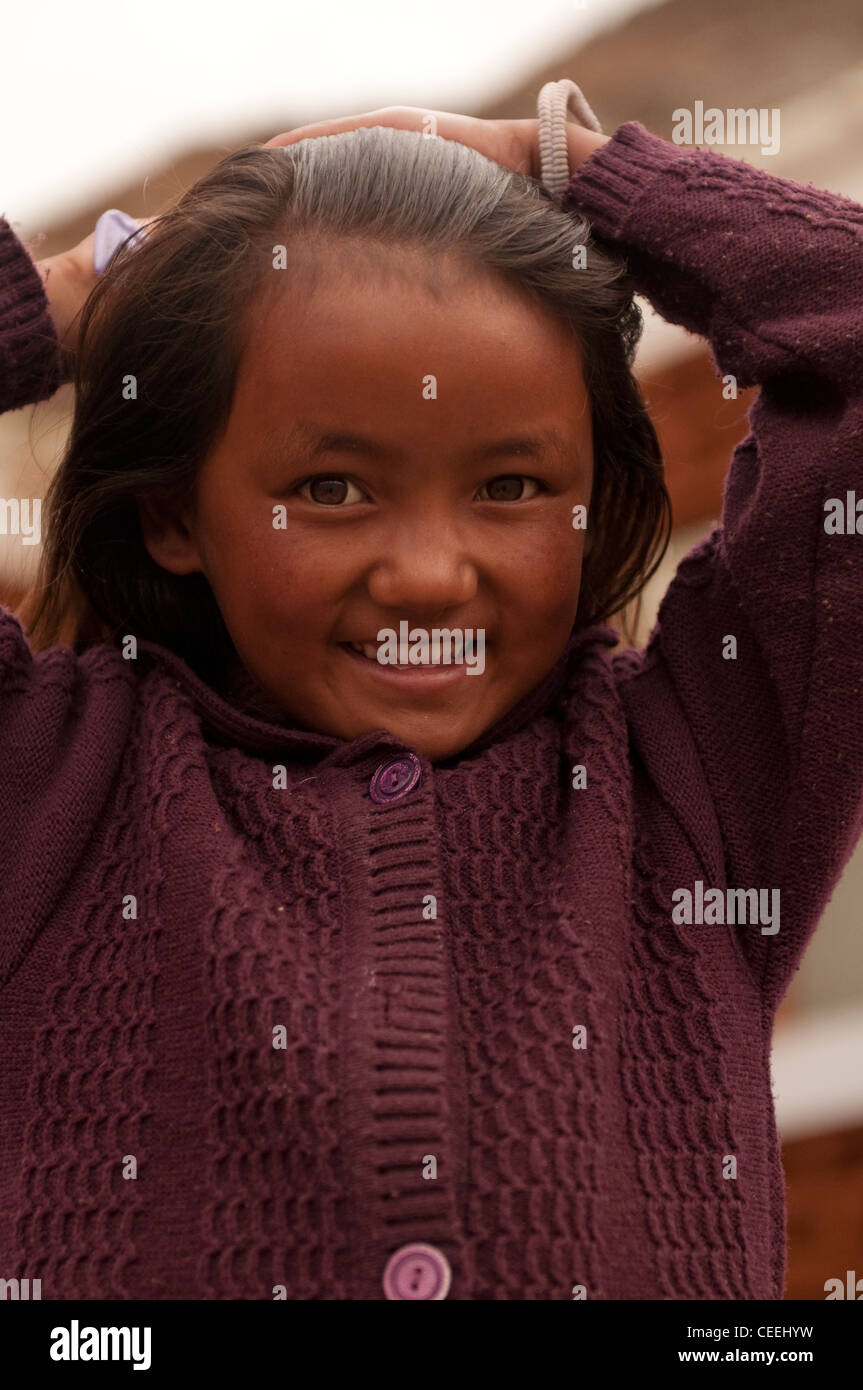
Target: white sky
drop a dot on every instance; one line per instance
(90, 92)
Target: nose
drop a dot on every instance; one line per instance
(424, 568)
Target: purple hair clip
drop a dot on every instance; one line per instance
(112, 230)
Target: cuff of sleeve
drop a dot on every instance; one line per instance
(33, 363)
(611, 180)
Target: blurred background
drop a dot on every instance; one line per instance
(110, 107)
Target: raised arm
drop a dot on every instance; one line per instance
(63, 718)
(37, 301)
(761, 632)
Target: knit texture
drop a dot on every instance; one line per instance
(31, 364)
(452, 1037)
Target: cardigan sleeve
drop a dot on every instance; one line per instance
(31, 364)
(760, 634)
(64, 722)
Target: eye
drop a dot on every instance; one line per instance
(329, 490)
(509, 487)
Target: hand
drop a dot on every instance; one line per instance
(513, 144)
(510, 143)
(68, 279)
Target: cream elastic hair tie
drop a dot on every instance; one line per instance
(554, 101)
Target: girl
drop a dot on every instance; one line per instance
(328, 978)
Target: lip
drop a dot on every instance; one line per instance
(402, 678)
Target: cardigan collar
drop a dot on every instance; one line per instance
(235, 724)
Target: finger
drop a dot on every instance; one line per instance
(389, 116)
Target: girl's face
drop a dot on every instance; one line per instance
(394, 454)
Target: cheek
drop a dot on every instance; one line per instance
(545, 580)
(266, 581)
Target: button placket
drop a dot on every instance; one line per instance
(400, 992)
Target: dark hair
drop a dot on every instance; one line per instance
(173, 313)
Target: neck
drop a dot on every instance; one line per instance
(243, 691)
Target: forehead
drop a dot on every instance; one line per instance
(315, 263)
(406, 343)
(392, 289)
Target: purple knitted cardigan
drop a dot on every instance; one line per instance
(590, 1075)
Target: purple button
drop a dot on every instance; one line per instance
(395, 779)
(417, 1271)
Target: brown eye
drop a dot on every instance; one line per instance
(329, 491)
(509, 488)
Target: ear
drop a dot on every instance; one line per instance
(168, 535)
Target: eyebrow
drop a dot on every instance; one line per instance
(313, 442)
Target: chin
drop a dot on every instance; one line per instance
(429, 743)
(437, 747)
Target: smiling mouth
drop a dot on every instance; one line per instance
(368, 649)
(367, 654)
